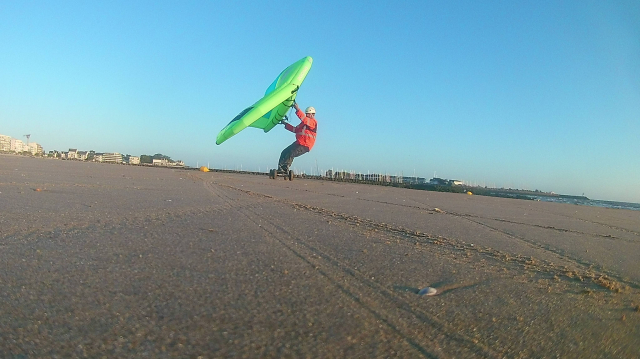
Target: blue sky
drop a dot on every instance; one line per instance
(526, 94)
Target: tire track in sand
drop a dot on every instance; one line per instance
(464, 215)
(583, 272)
(379, 301)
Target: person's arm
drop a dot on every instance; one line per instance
(287, 125)
(299, 112)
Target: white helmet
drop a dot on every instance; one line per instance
(310, 110)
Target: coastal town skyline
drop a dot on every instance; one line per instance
(435, 183)
(117, 157)
(13, 145)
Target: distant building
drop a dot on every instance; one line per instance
(111, 157)
(5, 143)
(445, 182)
(343, 175)
(162, 162)
(9, 144)
(372, 177)
(134, 160)
(18, 146)
(82, 155)
(35, 149)
(72, 154)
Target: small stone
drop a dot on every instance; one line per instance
(428, 291)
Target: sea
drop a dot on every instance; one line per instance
(589, 202)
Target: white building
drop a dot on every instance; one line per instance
(162, 162)
(35, 149)
(18, 146)
(110, 157)
(9, 144)
(5, 143)
(134, 160)
(82, 155)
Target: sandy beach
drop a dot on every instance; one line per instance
(116, 261)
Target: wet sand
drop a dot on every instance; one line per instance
(118, 261)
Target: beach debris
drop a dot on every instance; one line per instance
(469, 193)
(428, 291)
(438, 210)
(608, 283)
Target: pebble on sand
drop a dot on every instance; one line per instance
(428, 291)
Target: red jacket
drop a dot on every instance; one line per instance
(305, 131)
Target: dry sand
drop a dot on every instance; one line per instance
(119, 261)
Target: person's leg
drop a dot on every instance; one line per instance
(286, 158)
(288, 154)
(299, 150)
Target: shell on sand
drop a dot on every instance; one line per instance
(428, 291)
